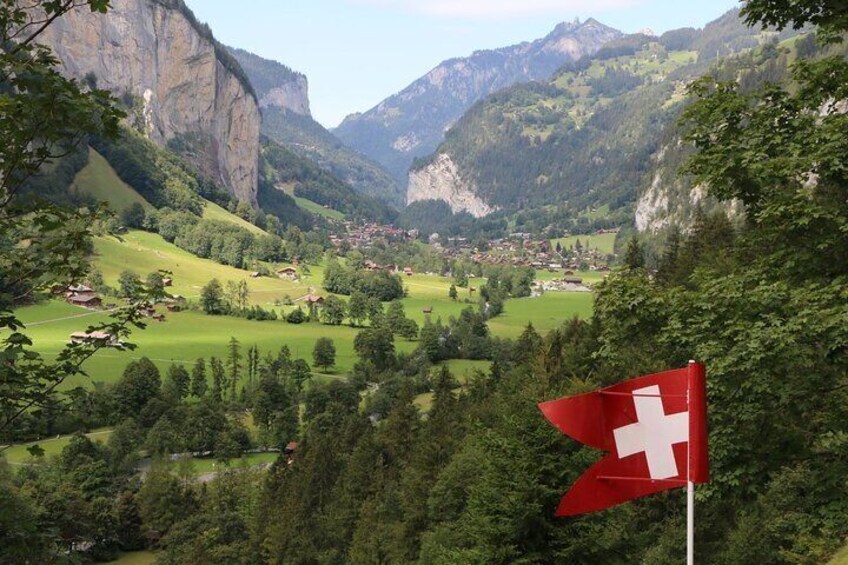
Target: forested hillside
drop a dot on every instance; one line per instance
(586, 137)
(286, 120)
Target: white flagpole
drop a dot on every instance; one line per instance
(690, 486)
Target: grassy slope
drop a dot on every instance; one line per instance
(99, 179)
(185, 336)
(841, 557)
(144, 252)
(135, 558)
(603, 242)
(311, 206)
(212, 211)
(51, 446)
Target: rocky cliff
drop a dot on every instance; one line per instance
(283, 96)
(441, 180)
(412, 123)
(158, 53)
(277, 86)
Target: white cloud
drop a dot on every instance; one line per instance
(499, 8)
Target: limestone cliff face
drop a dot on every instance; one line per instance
(156, 54)
(276, 85)
(441, 180)
(671, 198)
(292, 96)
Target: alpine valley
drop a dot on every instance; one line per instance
(230, 335)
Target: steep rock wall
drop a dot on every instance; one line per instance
(441, 180)
(155, 53)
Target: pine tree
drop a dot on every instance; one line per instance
(198, 378)
(180, 380)
(234, 365)
(218, 379)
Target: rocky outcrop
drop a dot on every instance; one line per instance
(292, 96)
(441, 180)
(672, 198)
(157, 54)
(277, 86)
(412, 123)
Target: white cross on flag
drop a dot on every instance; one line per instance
(653, 428)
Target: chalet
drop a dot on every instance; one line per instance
(311, 299)
(104, 338)
(408, 271)
(79, 288)
(158, 317)
(572, 280)
(290, 448)
(167, 282)
(289, 273)
(255, 275)
(427, 310)
(472, 290)
(85, 299)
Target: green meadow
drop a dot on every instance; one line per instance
(144, 252)
(99, 180)
(603, 242)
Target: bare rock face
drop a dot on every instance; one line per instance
(154, 53)
(441, 180)
(292, 96)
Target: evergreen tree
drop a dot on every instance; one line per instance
(634, 256)
(234, 365)
(180, 379)
(219, 379)
(452, 293)
(198, 378)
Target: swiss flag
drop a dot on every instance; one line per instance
(654, 429)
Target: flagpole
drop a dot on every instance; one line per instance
(690, 486)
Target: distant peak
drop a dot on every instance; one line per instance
(572, 26)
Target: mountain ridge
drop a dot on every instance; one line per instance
(411, 123)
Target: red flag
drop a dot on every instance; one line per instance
(654, 429)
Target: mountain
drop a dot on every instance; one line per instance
(184, 85)
(284, 102)
(412, 123)
(589, 137)
(276, 85)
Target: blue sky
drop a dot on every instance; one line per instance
(357, 52)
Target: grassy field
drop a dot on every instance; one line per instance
(602, 242)
(546, 312)
(144, 252)
(18, 454)
(212, 211)
(841, 557)
(99, 179)
(186, 336)
(135, 558)
(309, 205)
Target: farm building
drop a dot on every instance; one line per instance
(96, 336)
(86, 299)
(288, 273)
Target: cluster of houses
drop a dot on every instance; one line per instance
(366, 235)
(370, 265)
(568, 283)
(521, 250)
